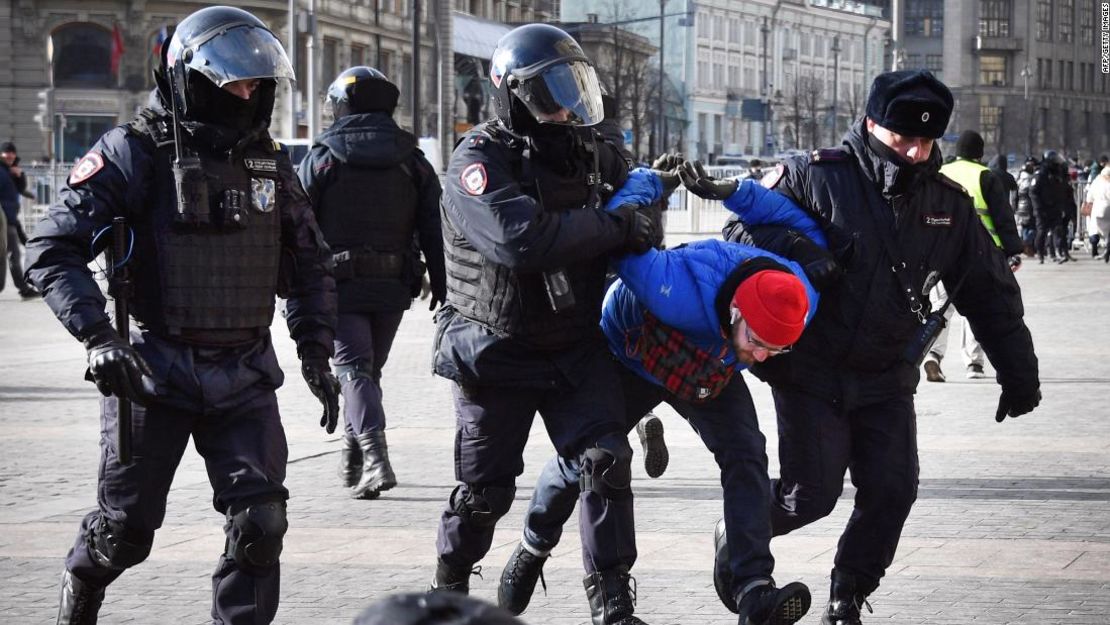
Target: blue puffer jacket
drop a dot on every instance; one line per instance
(680, 287)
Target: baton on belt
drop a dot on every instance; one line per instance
(119, 285)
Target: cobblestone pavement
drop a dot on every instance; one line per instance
(1012, 524)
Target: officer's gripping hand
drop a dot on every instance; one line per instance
(703, 185)
(1014, 405)
(117, 369)
(666, 167)
(321, 381)
(638, 227)
(439, 297)
(818, 263)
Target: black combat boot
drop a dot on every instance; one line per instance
(846, 596)
(453, 578)
(79, 602)
(769, 605)
(612, 601)
(518, 579)
(350, 461)
(377, 475)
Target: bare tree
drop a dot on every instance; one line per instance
(811, 97)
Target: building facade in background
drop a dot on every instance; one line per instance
(1025, 73)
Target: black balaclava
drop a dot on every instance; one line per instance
(210, 104)
(898, 174)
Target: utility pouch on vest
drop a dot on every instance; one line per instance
(191, 185)
(688, 371)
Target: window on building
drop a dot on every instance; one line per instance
(750, 38)
(1071, 75)
(703, 24)
(990, 122)
(1062, 66)
(1066, 119)
(807, 46)
(1044, 20)
(1085, 131)
(992, 70)
(1105, 123)
(406, 82)
(733, 30)
(913, 61)
(82, 56)
(81, 132)
(718, 75)
(749, 79)
(925, 18)
(1066, 20)
(358, 54)
(1042, 125)
(719, 29)
(703, 121)
(703, 74)
(934, 63)
(734, 76)
(718, 123)
(330, 59)
(994, 18)
(1087, 21)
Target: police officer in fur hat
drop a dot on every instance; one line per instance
(844, 394)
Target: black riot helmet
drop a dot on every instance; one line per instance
(362, 89)
(216, 46)
(541, 76)
(1054, 162)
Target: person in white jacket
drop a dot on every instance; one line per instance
(1098, 196)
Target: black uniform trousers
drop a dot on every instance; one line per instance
(876, 443)
(492, 430)
(728, 426)
(224, 399)
(363, 341)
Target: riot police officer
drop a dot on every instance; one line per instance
(1053, 201)
(844, 394)
(377, 201)
(526, 244)
(208, 254)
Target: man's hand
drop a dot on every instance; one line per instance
(1015, 262)
(324, 386)
(1013, 405)
(439, 297)
(639, 229)
(667, 162)
(703, 185)
(117, 369)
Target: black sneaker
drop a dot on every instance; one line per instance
(975, 372)
(518, 580)
(656, 456)
(768, 605)
(29, 294)
(453, 579)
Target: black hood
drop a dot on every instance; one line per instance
(890, 174)
(998, 163)
(368, 140)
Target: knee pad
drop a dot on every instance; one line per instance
(607, 468)
(117, 547)
(254, 536)
(353, 370)
(482, 505)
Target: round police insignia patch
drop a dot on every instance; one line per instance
(771, 178)
(474, 179)
(86, 168)
(925, 116)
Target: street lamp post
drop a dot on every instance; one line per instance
(765, 90)
(1025, 74)
(662, 124)
(836, 86)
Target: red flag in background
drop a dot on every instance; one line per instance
(117, 49)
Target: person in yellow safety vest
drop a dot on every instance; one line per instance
(992, 204)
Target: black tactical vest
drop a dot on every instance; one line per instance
(517, 304)
(212, 282)
(371, 215)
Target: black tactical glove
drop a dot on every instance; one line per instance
(703, 185)
(667, 162)
(439, 296)
(638, 227)
(321, 381)
(821, 268)
(117, 369)
(1014, 405)
(1015, 262)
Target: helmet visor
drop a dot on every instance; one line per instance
(241, 53)
(567, 93)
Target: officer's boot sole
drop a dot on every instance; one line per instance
(794, 602)
(656, 455)
(373, 489)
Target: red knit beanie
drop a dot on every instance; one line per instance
(775, 304)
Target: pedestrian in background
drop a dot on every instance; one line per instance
(1098, 202)
(12, 181)
(845, 394)
(1024, 213)
(376, 199)
(1052, 197)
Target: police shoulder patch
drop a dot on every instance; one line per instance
(474, 179)
(86, 168)
(948, 182)
(772, 178)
